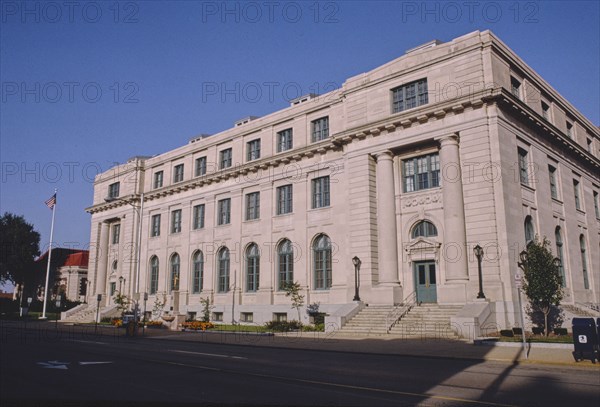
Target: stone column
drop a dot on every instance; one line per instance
(455, 234)
(386, 220)
(102, 260)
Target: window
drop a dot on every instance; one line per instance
(200, 166)
(421, 172)
(116, 231)
(320, 129)
(284, 140)
(225, 158)
(322, 262)
(523, 167)
(284, 200)
(158, 179)
(252, 267)
(553, 182)
(153, 275)
(589, 146)
(285, 263)
(529, 231)
(224, 212)
(545, 111)
(253, 150)
(596, 204)
(320, 192)
(576, 194)
(246, 317)
(197, 272)
(155, 229)
(176, 221)
(280, 316)
(217, 316)
(570, 130)
(113, 288)
(223, 270)
(559, 256)
(410, 95)
(198, 217)
(253, 206)
(586, 283)
(113, 190)
(515, 87)
(175, 272)
(424, 229)
(178, 173)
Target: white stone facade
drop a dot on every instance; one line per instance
(462, 135)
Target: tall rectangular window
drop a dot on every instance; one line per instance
(113, 190)
(158, 179)
(253, 206)
(570, 129)
(178, 173)
(320, 129)
(253, 150)
(545, 111)
(515, 87)
(589, 146)
(225, 160)
(320, 192)
(576, 193)
(284, 199)
(224, 212)
(200, 166)
(116, 231)
(553, 182)
(410, 95)
(421, 172)
(176, 221)
(284, 140)
(198, 217)
(523, 167)
(155, 228)
(596, 204)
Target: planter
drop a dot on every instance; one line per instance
(168, 318)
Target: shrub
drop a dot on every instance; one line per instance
(283, 326)
(198, 325)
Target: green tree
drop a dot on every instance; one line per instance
(122, 301)
(19, 246)
(543, 282)
(293, 290)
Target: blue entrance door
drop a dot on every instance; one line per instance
(425, 281)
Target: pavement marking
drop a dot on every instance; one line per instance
(94, 363)
(346, 386)
(208, 354)
(54, 364)
(94, 342)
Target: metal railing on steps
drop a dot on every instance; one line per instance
(399, 311)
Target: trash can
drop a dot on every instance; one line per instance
(585, 339)
(130, 329)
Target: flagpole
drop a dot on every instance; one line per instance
(49, 258)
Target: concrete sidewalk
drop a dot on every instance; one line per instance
(426, 347)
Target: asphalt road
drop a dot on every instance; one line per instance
(45, 367)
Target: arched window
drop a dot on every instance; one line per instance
(223, 267)
(197, 272)
(559, 256)
(529, 231)
(586, 283)
(322, 262)
(174, 272)
(424, 228)
(153, 275)
(285, 263)
(252, 267)
(115, 265)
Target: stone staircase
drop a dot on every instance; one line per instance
(87, 313)
(424, 321)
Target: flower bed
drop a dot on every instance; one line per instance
(197, 325)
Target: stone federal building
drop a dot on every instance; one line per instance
(408, 167)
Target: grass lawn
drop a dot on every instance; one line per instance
(239, 328)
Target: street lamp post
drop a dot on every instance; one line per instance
(356, 261)
(139, 209)
(478, 250)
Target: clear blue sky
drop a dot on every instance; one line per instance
(92, 85)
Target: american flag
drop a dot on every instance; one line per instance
(51, 202)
